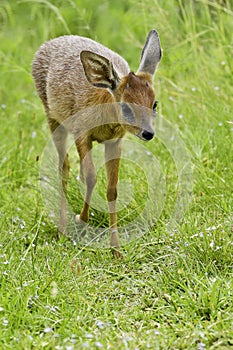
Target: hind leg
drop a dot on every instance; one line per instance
(84, 147)
(59, 135)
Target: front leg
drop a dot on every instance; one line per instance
(112, 159)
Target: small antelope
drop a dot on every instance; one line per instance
(74, 74)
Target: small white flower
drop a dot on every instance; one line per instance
(89, 336)
(54, 308)
(202, 335)
(127, 339)
(212, 244)
(217, 247)
(4, 321)
(47, 330)
(211, 228)
(180, 116)
(201, 346)
(220, 124)
(216, 88)
(54, 290)
(15, 219)
(195, 235)
(193, 89)
(100, 324)
(33, 134)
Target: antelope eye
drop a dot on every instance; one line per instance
(155, 106)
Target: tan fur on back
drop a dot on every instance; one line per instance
(60, 79)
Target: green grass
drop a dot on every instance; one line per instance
(174, 287)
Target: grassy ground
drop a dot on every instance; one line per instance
(174, 287)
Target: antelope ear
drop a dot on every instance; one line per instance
(99, 70)
(151, 54)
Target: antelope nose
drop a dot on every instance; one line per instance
(148, 135)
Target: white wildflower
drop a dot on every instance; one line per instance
(212, 244)
(48, 330)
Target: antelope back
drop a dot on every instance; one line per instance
(59, 75)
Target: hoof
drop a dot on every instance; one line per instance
(81, 224)
(61, 230)
(79, 221)
(116, 253)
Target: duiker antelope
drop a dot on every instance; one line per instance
(74, 73)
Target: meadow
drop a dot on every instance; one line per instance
(173, 289)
